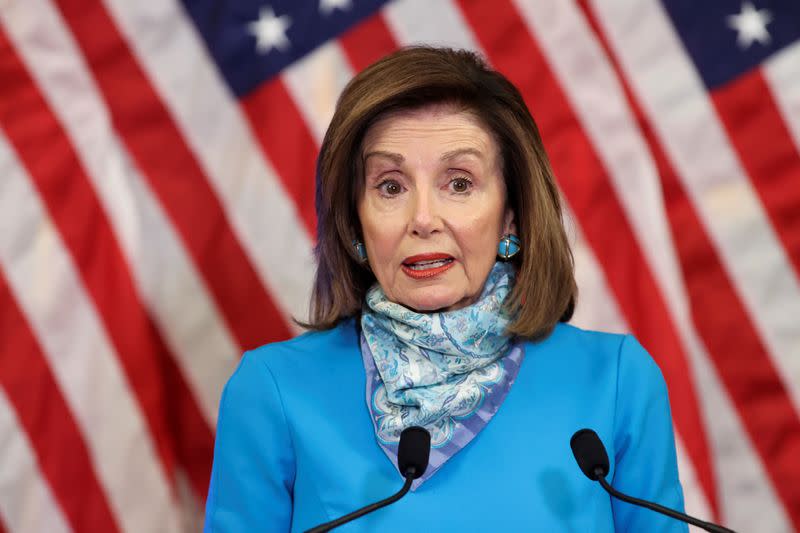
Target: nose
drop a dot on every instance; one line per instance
(425, 216)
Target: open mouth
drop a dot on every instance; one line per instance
(427, 265)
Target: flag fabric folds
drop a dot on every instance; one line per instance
(157, 165)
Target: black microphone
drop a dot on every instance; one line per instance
(592, 458)
(413, 453)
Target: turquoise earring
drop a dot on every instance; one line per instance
(360, 250)
(509, 246)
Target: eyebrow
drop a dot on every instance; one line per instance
(394, 157)
(462, 151)
(398, 158)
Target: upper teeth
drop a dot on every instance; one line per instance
(421, 265)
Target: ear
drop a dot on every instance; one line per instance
(509, 226)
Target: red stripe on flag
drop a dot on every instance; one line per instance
(56, 440)
(77, 213)
(193, 438)
(74, 208)
(153, 139)
(757, 130)
(367, 41)
(736, 349)
(585, 182)
(286, 140)
(731, 340)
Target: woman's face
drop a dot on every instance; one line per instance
(433, 208)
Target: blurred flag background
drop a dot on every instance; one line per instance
(157, 218)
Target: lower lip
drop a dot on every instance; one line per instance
(427, 273)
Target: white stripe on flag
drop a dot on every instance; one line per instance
(598, 100)
(50, 294)
(165, 276)
(425, 22)
(674, 99)
(693, 494)
(262, 215)
(747, 498)
(28, 504)
(596, 308)
(782, 72)
(315, 82)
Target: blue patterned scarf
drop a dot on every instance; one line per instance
(445, 371)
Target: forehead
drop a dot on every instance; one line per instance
(432, 128)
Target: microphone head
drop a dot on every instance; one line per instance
(590, 453)
(414, 451)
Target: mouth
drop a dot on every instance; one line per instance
(425, 266)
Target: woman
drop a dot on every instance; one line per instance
(444, 280)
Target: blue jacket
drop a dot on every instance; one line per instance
(295, 444)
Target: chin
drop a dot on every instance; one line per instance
(429, 301)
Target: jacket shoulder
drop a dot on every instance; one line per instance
(584, 340)
(309, 350)
(599, 347)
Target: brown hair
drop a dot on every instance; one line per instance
(414, 77)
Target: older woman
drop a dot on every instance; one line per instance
(443, 284)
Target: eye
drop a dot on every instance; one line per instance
(460, 185)
(389, 188)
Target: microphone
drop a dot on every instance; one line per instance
(592, 459)
(413, 453)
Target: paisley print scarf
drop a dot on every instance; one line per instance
(447, 371)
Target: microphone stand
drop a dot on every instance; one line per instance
(369, 508)
(713, 528)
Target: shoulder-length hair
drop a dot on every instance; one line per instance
(414, 77)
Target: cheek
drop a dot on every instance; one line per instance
(381, 247)
(480, 233)
(382, 232)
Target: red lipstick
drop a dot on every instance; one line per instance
(425, 257)
(424, 266)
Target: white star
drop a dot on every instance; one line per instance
(270, 31)
(327, 6)
(751, 24)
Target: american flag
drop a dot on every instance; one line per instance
(157, 164)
